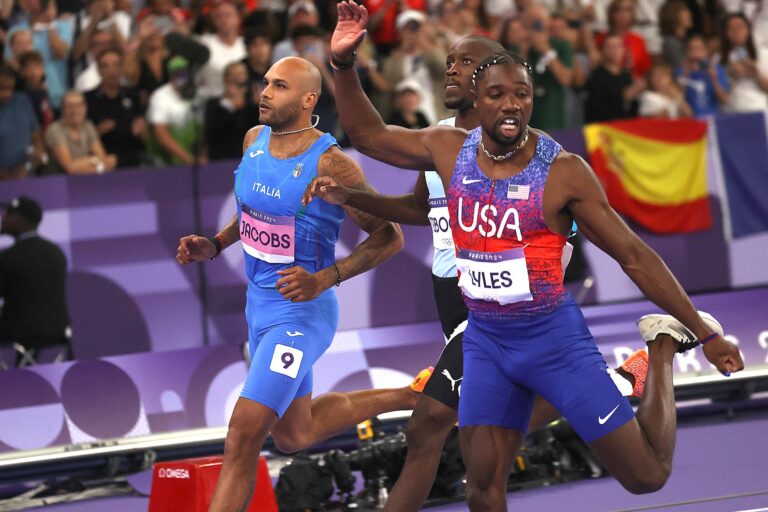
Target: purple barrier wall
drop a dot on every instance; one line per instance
(128, 294)
(132, 395)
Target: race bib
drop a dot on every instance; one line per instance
(267, 237)
(438, 219)
(494, 276)
(286, 360)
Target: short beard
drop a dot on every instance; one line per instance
(503, 143)
(458, 104)
(282, 117)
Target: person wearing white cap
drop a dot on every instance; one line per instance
(418, 57)
(301, 13)
(406, 111)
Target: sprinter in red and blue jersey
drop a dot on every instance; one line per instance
(513, 194)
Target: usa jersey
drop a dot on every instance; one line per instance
(509, 261)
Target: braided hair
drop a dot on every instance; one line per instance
(499, 57)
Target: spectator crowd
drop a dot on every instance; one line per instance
(91, 86)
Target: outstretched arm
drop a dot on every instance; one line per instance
(411, 209)
(394, 145)
(603, 227)
(385, 239)
(199, 248)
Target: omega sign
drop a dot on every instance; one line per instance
(172, 473)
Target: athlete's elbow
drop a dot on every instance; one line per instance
(630, 258)
(393, 236)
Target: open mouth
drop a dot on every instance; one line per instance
(510, 126)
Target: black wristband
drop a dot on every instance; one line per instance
(216, 243)
(338, 275)
(341, 66)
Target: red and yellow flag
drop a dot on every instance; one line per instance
(654, 171)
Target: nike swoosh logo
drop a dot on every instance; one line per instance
(602, 420)
(257, 153)
(465, 181)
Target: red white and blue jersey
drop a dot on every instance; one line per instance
(509, 261)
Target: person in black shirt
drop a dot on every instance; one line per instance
(228, 118)
(259, 47)
(33, 275)
(611, 91)
(116, 111)
(32, 73)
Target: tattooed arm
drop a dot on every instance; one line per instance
(385, 239)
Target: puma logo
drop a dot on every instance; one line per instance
(448, 376)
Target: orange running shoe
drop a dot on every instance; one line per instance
(637, 366)
(420, 380)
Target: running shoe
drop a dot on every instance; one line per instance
(637, 366)
(652, 325)
(418, 382)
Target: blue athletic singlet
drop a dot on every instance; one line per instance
(444, 260)
(277, 232)
(526, 335)
(267, 186)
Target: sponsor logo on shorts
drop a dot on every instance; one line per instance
(448, 376)
(601, 420)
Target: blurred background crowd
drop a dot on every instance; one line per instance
(91, 86)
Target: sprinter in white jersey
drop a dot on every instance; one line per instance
(436, 410)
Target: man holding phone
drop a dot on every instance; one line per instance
(552, 62)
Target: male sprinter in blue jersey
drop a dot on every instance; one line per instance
(291, 309)
(512, 195)
(437, 409)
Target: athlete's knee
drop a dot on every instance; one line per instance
(243, 439)
(431, 422)
(486, 497)
(291, 442)
(648, 481)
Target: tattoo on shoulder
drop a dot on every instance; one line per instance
(341, 168)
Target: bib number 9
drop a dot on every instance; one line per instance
(286, 360)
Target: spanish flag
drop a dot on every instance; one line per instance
(654, 171)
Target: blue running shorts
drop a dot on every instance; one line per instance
(285, 339)
(507, 362)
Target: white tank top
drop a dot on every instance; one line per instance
(444, 260)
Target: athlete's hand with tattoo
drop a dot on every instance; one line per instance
(298, 285)
(327, 189)
(194, 248)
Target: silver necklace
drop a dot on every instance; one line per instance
(291, 132)
(518, 147)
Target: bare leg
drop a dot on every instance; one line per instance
(639, 454)
(426, 433)
(248, 428)
(308, 422)
(487, 452)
